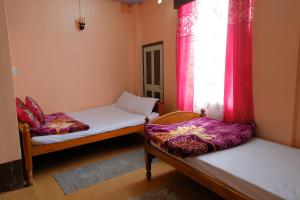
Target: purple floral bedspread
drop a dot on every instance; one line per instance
(199, 136)
(58, 123)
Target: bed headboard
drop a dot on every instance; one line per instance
(158, 108)
(178, 116)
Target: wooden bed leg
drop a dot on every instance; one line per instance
(148, 160)
(29, 178)
(26, 144)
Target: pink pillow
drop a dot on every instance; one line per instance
(25, 115)
(34, 107)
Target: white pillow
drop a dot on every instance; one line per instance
(126, 100)
(143, 105)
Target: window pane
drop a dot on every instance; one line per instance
(157, 67)
(149, 94)
(157, 95)
(148, 67)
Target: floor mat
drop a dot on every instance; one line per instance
(76, 179)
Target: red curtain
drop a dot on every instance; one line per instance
(238, 97)
(184, 56)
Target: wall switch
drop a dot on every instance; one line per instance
(14, 71)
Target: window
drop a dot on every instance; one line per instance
(214, 42)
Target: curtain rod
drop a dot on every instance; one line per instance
(178, 3)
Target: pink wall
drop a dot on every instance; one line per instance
(275, 58)
(158, 23)
(10, 146)
(296, 138)
(63, 68)
(137, 50)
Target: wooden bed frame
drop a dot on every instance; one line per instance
(29, 151)
(213, 184)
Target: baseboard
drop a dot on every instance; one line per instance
(11, 176)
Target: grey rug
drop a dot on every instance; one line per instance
(76, 179)
(162, 194)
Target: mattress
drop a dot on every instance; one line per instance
(259, 169)
(100, 120)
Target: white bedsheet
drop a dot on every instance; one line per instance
(258, 169)
(100, 120)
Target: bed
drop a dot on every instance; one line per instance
(104, 122)
(258, 169)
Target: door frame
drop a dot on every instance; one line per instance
(163, 67)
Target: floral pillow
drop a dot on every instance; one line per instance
(19, 103)
(25, 115)
(34, 107)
